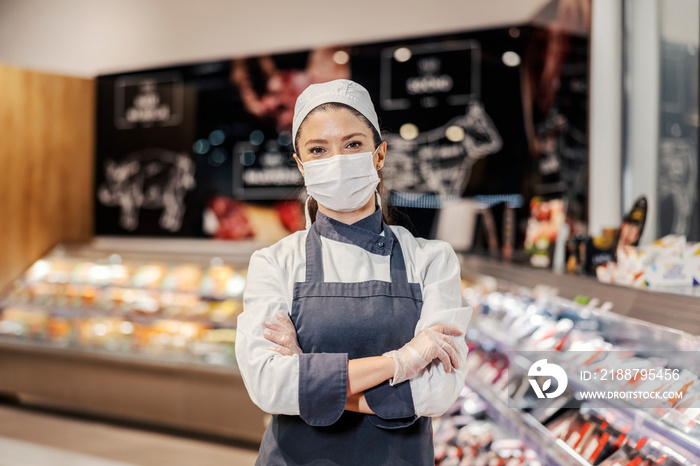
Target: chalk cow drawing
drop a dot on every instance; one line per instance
(435, 163)
(148, 179)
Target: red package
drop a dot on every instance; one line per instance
(291, 215)
(226, 218)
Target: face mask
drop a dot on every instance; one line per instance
(343, 182)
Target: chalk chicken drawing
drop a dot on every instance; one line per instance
(148, 179)
(440, 160)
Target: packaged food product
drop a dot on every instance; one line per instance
(225, 311)
(24, 322)
(214, 281)
(59, 330)
(183, 278)
(148, 276)
(101, 332)
(621, 457)
(560, 426)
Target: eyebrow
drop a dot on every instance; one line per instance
(316, 141)
(345, 138)
(353, 135)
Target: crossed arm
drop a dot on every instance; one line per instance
(364, 373)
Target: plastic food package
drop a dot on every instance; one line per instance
(668, 262)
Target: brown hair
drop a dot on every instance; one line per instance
(387, 209)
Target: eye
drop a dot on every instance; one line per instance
(354, 145)
(317, 151)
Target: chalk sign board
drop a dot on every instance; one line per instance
(451, 107)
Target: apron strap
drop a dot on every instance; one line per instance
(314, 257)
(397, 264)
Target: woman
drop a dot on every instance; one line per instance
(352, 333)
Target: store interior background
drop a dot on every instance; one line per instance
(81, 39)
(52, 52)
(42, 40)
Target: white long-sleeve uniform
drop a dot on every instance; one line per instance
(272, 379)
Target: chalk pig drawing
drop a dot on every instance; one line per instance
(148, 179)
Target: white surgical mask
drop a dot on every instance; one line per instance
(343, 182)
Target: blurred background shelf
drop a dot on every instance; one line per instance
(679, 311)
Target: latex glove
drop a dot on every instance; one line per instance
(429, 344)
(279, 329)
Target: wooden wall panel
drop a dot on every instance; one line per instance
(46, 165)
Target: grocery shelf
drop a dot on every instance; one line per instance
(654, 428)
(140, 360)
(551, 450)
(169, 248)
(679, 311)
(140, 317)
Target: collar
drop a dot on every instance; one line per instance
(365, 233)
(372, 223)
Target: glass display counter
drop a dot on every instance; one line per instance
(136, 329)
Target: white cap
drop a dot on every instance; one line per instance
(342, 91)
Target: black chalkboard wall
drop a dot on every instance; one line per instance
(480, 113)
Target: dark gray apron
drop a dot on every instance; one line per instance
(361, 319)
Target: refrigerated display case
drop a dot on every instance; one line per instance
(139, 329)
(523, 315)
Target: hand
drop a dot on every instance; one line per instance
(429, 344)
(280, 330)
